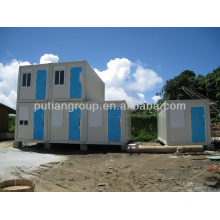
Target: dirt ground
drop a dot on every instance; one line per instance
(106, 169)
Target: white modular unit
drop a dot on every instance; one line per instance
(184, 122)
(60, 122)
(108, 122)
(67, 81)
(31, 125)
(67, 123)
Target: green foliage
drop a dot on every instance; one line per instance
(172, 89)
(11, 123)
(144, 124)
(212, 81)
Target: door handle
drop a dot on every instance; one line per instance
(42, 123)
(79, 124)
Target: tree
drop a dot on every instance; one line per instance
(208, 86)
(173, 91)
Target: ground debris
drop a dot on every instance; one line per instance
(54, 163)
(214, 158)
(106, 173)
(211, 183)
(197, 167)
(102, 184)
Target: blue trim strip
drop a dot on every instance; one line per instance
(75, 84)
(41, 84)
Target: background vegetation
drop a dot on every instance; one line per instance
(144, 123)
(11, 123)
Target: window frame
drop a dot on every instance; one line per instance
(95, 118)
(177, 118)
(54, 123)
(59, 74)
(27, 73)
(23, 122)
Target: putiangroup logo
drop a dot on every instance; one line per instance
(105, 106)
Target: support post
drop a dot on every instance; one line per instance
(17, 144)
(123, 148)
(83, 147)
(47, 146)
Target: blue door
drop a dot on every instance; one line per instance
(41, 84)
(75, 84)
(39, 124)
(74, 124)
(198, 124)
(114, 128)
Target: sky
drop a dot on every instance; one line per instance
(134, 62)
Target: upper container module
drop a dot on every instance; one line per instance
(67, 81)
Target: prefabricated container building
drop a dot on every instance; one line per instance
(184, 122)
(43, 87)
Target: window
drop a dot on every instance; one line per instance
(59, 77)
(26, 79)
(95, 118)
(23, 116)
(57, 118)
(23, 122)
(177, 118)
